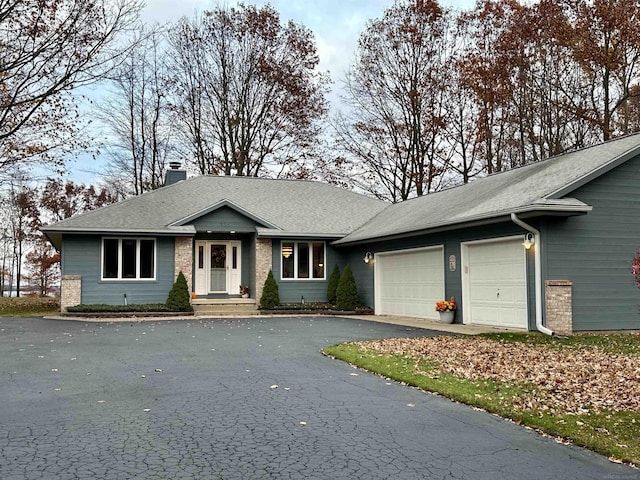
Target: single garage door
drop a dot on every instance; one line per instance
(409, 282)
(495, 284)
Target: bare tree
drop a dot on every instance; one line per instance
(249, 96)
(47, 49)
(396, 95)
(138, 116)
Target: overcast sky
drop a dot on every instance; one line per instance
(336, 24)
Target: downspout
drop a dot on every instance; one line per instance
(538, 272)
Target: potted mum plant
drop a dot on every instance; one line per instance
(446, 309)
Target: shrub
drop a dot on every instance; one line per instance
(132, 308)
(333, 284)
(347, 292)
(270, 296)
(178, 299)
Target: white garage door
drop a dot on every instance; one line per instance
(495, 287)
(409, 282)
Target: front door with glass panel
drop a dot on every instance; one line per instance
(218, 269)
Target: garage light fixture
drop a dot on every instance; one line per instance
(529, 239)
(367, 257)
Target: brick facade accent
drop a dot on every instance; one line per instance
(184, 259)
(558, 305)
(264, 248)
(70, 291)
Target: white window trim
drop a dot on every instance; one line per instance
(295, 261)
(119, 277)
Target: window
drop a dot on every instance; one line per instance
(128, 259)
(303, 260)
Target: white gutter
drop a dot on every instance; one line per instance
(538, 272)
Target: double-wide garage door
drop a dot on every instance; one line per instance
(494, 283)
(494, 287)
(409, 282)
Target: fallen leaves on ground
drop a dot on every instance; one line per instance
(559, 381)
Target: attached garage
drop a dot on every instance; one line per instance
(494, 285)
(409, 282)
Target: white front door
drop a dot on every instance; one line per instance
(218, 267)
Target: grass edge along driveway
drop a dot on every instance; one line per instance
(582, 390)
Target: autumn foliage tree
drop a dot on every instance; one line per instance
(47, 49)
(249, 97)
(33, 208)
(436, 97)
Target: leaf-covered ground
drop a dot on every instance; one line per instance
(28, 305)
(574, 380)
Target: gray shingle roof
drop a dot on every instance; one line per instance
(537, 187)
(290, 206)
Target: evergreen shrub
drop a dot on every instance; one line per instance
(333, 285)
(270, 295)
(178, 299)
(347, 297)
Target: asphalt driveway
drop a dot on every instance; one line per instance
(243, 399)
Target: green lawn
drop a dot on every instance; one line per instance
(28, 306)
(614, 433)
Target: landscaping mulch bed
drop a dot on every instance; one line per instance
(125, 314)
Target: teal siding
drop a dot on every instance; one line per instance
(224, 219)
(292, 291)
(451, 241)
(81, 256)
(594, 251)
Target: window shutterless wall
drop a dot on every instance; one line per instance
(82, 255)
(292, 290)
(128, 258)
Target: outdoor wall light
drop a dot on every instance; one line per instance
(367, 257)
(529, 239)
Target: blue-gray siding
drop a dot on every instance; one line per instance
(292, 291)
(595, 251)
(364, 273)
(224, 219)
(81, 256)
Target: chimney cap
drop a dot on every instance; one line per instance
(175, 165)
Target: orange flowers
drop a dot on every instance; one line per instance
(446, 305)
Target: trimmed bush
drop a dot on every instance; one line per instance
(270, 295)
(133, 308)
(333, 284)
(347, 292)
(179, 297)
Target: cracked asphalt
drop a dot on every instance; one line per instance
(197, 399)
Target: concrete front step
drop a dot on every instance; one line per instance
(225, 309)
